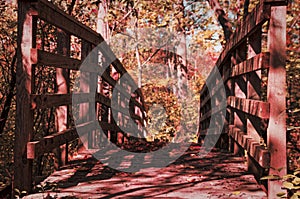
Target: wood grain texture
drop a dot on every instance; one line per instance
(24, 114)
(50, 13)
(253, 107)
(259, 153)
(276, 95)
(50, 142)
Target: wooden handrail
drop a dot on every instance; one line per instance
(89, 98)
(254, 97)
(50, 13)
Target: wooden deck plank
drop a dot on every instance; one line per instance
(218, 175)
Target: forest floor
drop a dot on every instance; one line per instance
(217, 175)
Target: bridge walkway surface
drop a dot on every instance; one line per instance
(217, 175)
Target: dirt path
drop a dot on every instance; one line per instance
(218, 175)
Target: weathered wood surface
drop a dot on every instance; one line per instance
(254, 107)
(55, 60)
(24, 113)
(260, 14)
(276, 2)
(48, 12)
(277, 96)
(89, 98)
(62, 87)
(261, 61)
(53, 100)
(257, 123)
(218, 175)
(50, 142)
(254, 149)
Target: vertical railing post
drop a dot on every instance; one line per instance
(22, 179)
(276, 95)
(120, 120)
(63, 87)
(85, 108)
(93, 89)
(254, 84)
(240, 90)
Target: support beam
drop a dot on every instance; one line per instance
(24, 114)
(277, 97)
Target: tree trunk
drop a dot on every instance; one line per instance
(222, 18)
(102, 26)
(137, 54)
(10, 95)
(181, 64)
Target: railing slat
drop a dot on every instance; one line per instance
(259, 15)
(260, 61)
(48, 12)
(48, 143)
(276, 2)
(50, 59)
(115, 127)
(53, 100)
(259, 153)
(253, 107)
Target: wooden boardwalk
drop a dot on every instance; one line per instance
(218, 175)
(248, 93)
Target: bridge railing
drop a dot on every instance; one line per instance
(129, 104)
(252, 67)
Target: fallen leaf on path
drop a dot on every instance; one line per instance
(236, 192)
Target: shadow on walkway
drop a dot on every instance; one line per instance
(218, 175)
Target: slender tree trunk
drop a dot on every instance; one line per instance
(181, 65)
(171, 64)
(10, 95)
(246, 8)
(137, 54)
(222, 18)
(102, 25)
(181, 58)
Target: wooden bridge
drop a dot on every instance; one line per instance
(250, 72)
